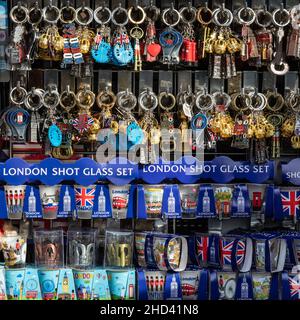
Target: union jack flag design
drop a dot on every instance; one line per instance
(202, 248)
(240, 252)
(84, 197)
(226, 250)
(294, 287)
(290, 203)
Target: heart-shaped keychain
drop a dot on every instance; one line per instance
(153, 49)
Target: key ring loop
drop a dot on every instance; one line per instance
(67, 99)
(118, 11)
(243, 98)
(204, 101)
(283, 19)
(260, 100)
(17, 95)
(136, 9)
(84, 15)
(170, 11)
(166, 100)
(54, 11)
(245, 12)
(185, 12)
(294, 101)
(221, 95)
(105, 11)
(15, 15)
(106, 99)
(126, 100)
(85, 98)
(151, 97)
(279, 101)
(51, 97)
(221, 13)
(204, 15)
(152, 12)
(67, 14)
(263, 15)
(35, 15)
(34, 99)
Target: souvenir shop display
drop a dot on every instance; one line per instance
(149, 150)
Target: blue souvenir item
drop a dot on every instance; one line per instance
(151, 284)
(121, 284)
(199, 121)
(83, 283)
(102, 52)
(206, 202)
(269, 252)
(100, 285)
(66, 286)
(122, 52)
(134, 133)
(55, 135)
(31, 287)
(240, 202)
(173, 287)
(48, 282)
(14, 283)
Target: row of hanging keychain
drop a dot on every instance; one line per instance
(248, 118)
(191, 35)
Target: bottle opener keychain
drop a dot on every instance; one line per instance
(170, 39)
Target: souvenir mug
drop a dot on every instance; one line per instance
(14, 196)
(170, 252)
(81, 248)
(155, 282)
(161, 251)
(84, 197)
(14, 247)
(49, 248)
(118, 249)
(50, 200)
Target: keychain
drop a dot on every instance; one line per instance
(167, 102)
(188, 52)
(152, 48)
(170, 39)
(101, 49)
(148, 102)
(122, 51)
